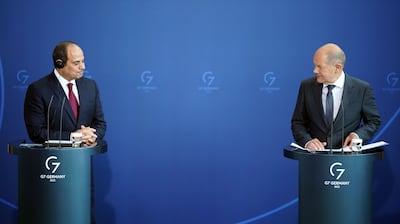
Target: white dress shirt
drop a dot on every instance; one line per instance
(64, 84)
(337, 94)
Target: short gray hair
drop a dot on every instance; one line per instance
(334, 57)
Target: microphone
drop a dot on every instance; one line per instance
(341, 104)
(58, 142)
(48, 119)
(61, 122)
(342, 107)
(332, 119)
(331, 141)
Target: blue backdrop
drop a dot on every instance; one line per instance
(198, 96)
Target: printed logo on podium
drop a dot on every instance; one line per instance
(52, 164)
(336, 170)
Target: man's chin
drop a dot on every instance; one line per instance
(319, 80)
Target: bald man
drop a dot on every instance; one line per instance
(354, 111)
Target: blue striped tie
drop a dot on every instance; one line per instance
(329, 106)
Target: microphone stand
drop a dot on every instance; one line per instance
(330, 143)
(61, 118)
(341, 104)
(48, 121)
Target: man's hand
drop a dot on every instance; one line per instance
(315, 145)
(88, 135)
(347, 141)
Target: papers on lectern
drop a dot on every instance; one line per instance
(345, 149)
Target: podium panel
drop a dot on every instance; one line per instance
(335, 187)
(54, 184)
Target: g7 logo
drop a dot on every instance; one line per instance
(340, 170)
(269, 78)
(208, 78)
(22, 76)
(54, 165)
(146, 77)
(392, 79)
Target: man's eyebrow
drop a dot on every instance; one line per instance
(77, 61)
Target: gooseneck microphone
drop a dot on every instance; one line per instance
(332, 109)
(61, 122)
(48, 119)
(341, 104)
(331, 141)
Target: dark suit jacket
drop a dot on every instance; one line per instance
(39, 114)
(358, 113)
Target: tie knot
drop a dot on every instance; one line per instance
(70, 86)
(330, 87)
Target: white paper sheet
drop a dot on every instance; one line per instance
(345, 149)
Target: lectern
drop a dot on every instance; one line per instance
(54, 184)
(335, 187)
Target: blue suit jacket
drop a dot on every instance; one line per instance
(358, 113)
(39, 113)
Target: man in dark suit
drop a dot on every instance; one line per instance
(53, 110)
(47, 109)
(354, 111)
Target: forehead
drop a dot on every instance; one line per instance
(320, 58)
(75, 53)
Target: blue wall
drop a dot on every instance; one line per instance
(198, 96)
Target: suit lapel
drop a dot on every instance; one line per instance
(56, 87)
(317, 93)
(82, 95)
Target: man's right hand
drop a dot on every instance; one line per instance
(315, 145)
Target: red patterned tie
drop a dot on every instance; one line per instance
(72, 100)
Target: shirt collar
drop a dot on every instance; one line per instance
(339, 82)
(61, 79)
